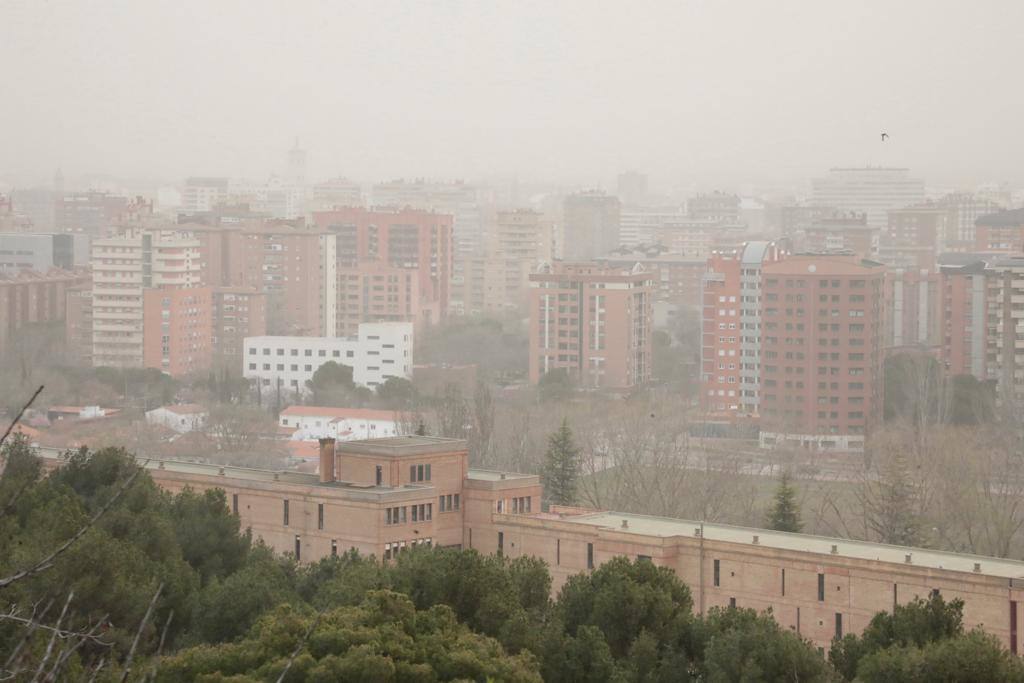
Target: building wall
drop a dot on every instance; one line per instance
(178, 330)
(591, 221)
(238, 312)
(379, 242)
(964, 320)
(30, 297)
(821, 351)
(592, 321)
(805, 580)
(380, 350)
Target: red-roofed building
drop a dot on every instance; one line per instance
(343, 424)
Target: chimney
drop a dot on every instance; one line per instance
(327, 473)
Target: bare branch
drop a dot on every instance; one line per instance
(82, 639)
(17, 418)
(160, 647)
(33, 624)
(53, 638)
(12, 616)
(48, 561)
(138, 633)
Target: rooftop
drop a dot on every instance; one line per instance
(397, 446)
(339, 413)
(666, 527)
(495, 475)
(1003, 219)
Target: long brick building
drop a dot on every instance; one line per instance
(383, 496)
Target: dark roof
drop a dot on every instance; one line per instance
(1002, 219)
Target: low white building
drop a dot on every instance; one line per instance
(377, 352)
(187, 417)
(343, 424)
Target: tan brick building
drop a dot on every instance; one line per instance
(383, 496)
(593, 321)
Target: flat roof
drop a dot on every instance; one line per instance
(665, 527)
(401, 445)
(251, 474)
(496, 475)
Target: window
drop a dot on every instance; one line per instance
(380, 475)
(298, 548)
(286, 512)
(718, 573)
(732, 603)
(821, 588)
(783, 582)
(334, 548)
(839, 625)
(320, 516)
(501, 543)
(590, 556)
(234, 503)
(415, 518)
(455, 500)
(427, 471)
(558, 551)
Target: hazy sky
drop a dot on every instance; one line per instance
(707, 92)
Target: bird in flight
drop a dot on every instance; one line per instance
(884, 136)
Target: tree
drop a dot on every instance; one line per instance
(397, 393)
(784, 514)
(622, 599)
(743, 645)
(385, 638)
(914, 624)
(561, 467)
(890, 504)
(976, 656)
(331, 383)
(556, 385)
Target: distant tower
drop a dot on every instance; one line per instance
(297, 165)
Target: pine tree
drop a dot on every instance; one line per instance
(784, 514)
(561, 467)
(421, 430)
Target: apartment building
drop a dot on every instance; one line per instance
(731, 329)
(591, 223)
(677, 278)
(177, 329)
(720, 207)
(392, 265)
(28, 297)
(123, 267)
(821, 351)
(914, 237)
(842, 232)
(297, 269)
(1001, 232)
(913, 309)
(964, 315)
(1004, 333)
(871, 190)
(203, 194)
(383, 497)
(377, 352)
(78, 323)
(238, 312)
(40, 252)
(594, 322)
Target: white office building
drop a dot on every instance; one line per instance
(377, 352)
(874, 191)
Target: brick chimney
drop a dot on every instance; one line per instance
(327, 473)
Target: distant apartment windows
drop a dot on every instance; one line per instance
(286, 512)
